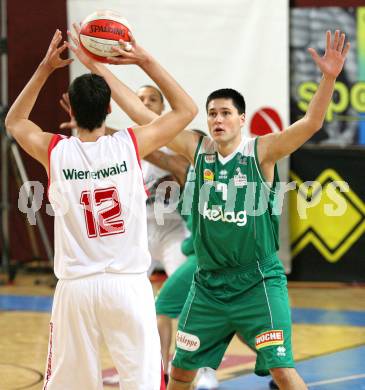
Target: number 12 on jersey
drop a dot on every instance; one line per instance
(105, 222)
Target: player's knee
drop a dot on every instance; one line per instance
(282, 375)
(181, 379)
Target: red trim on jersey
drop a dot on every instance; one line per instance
(49, 358)
(163, 384)
(54, 141)
(134, 139)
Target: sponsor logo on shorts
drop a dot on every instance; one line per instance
(272, 337)
(208, 175)
(281, 351)
(187, 341)
(209, 158)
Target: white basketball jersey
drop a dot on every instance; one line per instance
(97, 192)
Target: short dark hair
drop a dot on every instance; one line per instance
(228, 93)
(89, 99)
(155, 88)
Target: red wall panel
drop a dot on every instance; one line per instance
(31, 25)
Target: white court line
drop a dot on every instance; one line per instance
(337, 380)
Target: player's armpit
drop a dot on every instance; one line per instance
(185, 144)
(159, 133)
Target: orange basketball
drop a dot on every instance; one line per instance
(102, 30)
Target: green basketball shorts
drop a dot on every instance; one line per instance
(172, 296)
(253, 303)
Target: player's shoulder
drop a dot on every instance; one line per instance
(248, 146)
(122, 134)
(207, 145)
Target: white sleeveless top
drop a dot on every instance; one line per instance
(97, 192)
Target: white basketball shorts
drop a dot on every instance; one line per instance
(116, 308)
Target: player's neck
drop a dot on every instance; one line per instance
(226, 148)
(86, 135)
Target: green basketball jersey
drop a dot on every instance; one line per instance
(233, 223)
(184, 208)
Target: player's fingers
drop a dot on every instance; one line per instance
(131, 38)
(314, 54)
(346, 49)
(66, 62)
(66, 98)
(328, 40)
(77, 27)
(72, 48)
(67, 125)
(64, 105)
(61, 48)
(125, 45)
(116, 60)
(341, 42)
(55, 36)
(120, 51)
(336, 39)
(73, 38)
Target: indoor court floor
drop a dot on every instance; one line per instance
(329, 339)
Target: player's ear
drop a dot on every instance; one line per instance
(109, 109)
(242, 119)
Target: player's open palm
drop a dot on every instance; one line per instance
(65, 104)
(334, 57)
(77, 49)
(53, 58)
(129, 53)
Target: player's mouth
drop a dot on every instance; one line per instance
(218, 131)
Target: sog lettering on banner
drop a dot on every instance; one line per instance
(74, 174)
(187, 341)
(272, 337)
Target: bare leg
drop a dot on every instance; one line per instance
(164, 325)
(181, 379)
(288, 379)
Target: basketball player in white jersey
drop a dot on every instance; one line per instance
(101, 250)
(164, 239)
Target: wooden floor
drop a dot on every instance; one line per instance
(328, 318)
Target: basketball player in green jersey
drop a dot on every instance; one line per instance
(240, 284)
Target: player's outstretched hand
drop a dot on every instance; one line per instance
(334, 57)
(76, 47)
(129, 53)
(65, 104)
(52, 59)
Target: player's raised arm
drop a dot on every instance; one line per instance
(273, 147)
(30, 136)
(126, 99)
(163, 129)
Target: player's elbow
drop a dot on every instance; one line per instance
(313, 124)
(10, 124)
(189, 113)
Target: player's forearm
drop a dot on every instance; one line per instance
(177, 165)
(24, 103)
(178, 99)
(126, 99)
(318, 106)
